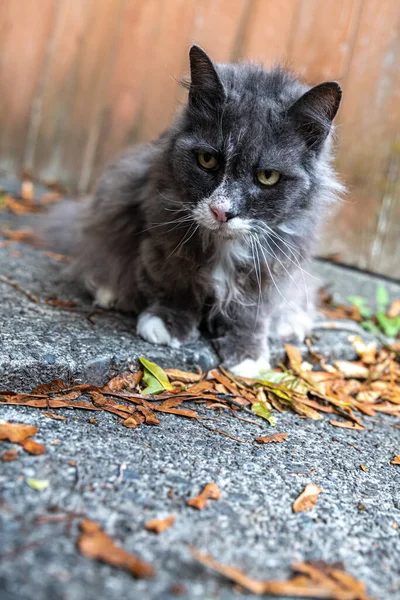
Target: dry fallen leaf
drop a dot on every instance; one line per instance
(394, 310)
(16, 432)
(183, 376)
(51, 415)
(395, 461)
(274, 438)
(9, 455)
(364, 468)
(351, 369)
(160, 525)
(346, 425)
(211, 491)
(94, 543)
(312, 580)
(307, 499)
(367, 352)
(32, 447)
(27, 190)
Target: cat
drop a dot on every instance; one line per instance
(215, 220)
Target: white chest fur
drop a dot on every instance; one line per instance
(227, 285)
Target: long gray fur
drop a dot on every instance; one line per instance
(148, 241)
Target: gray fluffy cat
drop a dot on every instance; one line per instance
(213, 222)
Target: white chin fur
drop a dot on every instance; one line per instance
(152, 329)
(295, 326)
(251, 368)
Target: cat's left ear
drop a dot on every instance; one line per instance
(205, 88)
(314, 112)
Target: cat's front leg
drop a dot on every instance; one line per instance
(243, 348)
(168, 326)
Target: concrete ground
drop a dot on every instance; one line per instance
(251, 527)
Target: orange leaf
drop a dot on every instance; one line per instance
(347, 425)
(307, 499)
(32, 447)
(160, 525)
(9, 455)
(94, 543)
(211, 491)
(183, 376)
(16, 432)
(274, 438)
(320, 581)
(395, 461)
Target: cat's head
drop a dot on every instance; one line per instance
(251, 146)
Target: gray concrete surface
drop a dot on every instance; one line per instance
(252, 527)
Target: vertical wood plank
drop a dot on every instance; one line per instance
(125, 92)
(165, 66)
(268, 31)
(369, 122)
(24, 37)
(217, 24)
(323, 38)
(75, 79)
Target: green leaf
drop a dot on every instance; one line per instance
(361, 304)
(156, 379)
(286, 379)
(371, 327)
(261, 410)
(382, 298)
(38, 484)
(390, 326)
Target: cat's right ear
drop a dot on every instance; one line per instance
(206, 89)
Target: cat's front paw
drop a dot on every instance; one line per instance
(155, 330)
(294, 326)
(251, 368)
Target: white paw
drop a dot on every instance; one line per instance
(153, 329)
(294, 326)
(104, 297)
(251, 368)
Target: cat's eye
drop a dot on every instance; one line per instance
(207, 161)
(268, 177)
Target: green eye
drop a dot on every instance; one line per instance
(268, 177)
(207, 160)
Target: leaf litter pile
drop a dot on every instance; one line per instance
(346, 391)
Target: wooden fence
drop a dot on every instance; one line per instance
(80, 79)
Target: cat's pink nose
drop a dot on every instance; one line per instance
(219, 214)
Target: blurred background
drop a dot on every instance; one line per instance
(81, 79)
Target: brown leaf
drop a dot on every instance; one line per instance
(58, 257)
(57, 385)
(94, 543)
(367, 352)
(395, 461)
(307, 499)
(351, 370)
(16, 432)
(160, 525)
(211, 491)
(126, 381)
(183, 376)
(347, 425)
(312, 583)
(21, 235)
(9, 455)
(202, 386)
(364, 468)
(59, 303)
(149, 416)
(294, 356)
(394, 310)
(274, 438)
(51, 415)
(32, 447)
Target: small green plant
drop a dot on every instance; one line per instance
(379, 322)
